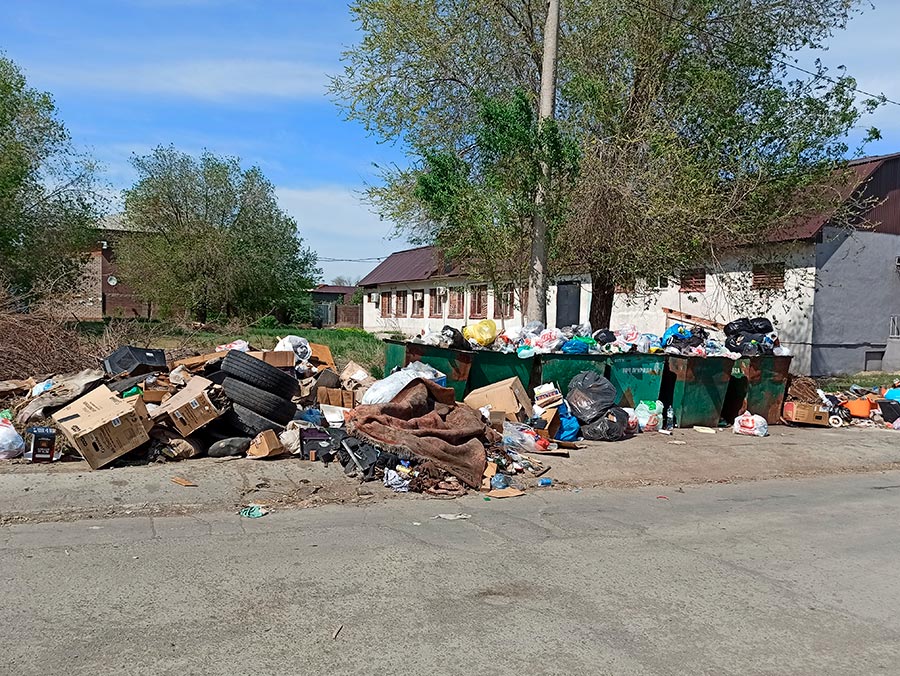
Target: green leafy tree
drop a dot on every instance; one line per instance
(49, 196)
(208, 236)
(694, 133)
(478, 204)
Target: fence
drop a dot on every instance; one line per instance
(331, 314)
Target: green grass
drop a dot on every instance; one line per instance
(345, 344)
(867, 380)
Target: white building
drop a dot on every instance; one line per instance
(833, 294)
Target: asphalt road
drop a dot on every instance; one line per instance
(774, 577)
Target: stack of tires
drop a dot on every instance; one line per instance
(261, 395)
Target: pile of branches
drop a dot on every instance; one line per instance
(38, 343)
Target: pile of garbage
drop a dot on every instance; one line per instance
(741, 338)
(858, 406)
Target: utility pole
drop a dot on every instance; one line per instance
(537, 279)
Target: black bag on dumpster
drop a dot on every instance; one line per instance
(590, 396)
(762, 325)
(739, 326)
(457, 342)
(608, 427)
(604, 336)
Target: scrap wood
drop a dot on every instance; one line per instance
(181, 481)
(803, 389)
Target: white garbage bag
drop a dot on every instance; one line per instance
(751, 425)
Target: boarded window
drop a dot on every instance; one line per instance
(504, 303)
(401, 303)
(693, 281)
(386, 309)
(457, 303)
(418, 303)
(478, 302)
(436, 302)
(768, 276)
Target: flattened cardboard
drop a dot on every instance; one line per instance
(321, 356)
(282, 359)
(265, 445)
(507, 395)
(102, 426)
(190, 409)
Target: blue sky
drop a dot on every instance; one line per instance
(248, 78)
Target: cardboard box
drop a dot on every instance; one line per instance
(194, 363)
(547, 395)
(355, 377)
(102, 426)
(551, 416)
(155, 396)
(266, 445)
(278, 358)
(508, 395)
(334, 396)
(191, 408)
(809, 414)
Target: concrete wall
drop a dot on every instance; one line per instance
(857, 292)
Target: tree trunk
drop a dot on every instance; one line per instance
(537, 282)
(603, 292)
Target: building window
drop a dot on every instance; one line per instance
(401, 303)
(457, 303)
(661, 282)
(436, 303)
(895, 327)
(418, 303)
(693, 281)
(768, 276)
(478, 302)
(386, 309)
(504, 303)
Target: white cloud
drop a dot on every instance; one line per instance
(336, 224)
(210, 79)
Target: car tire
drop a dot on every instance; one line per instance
(250, 423)
(268, 405)
(258, 373)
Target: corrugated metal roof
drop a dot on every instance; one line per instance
(331, 288)
(412, 265)
(862, 170)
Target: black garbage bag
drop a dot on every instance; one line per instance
(455, 336)
(609, 427)
(604, 336)
(739, 326)
(762, 325)
(749, 344)
(590, 396)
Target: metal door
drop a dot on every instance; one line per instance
(568, 304)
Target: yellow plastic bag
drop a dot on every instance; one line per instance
(484, 332)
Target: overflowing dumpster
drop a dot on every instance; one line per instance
(637, 377)
(758, 385)
(561, 368)
(698, 389)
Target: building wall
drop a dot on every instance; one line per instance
(729, 294)
(858, 292)
(410, 326)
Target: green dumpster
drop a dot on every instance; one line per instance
(561, 368)
(637, 377)
(394, 355)
(492, 367)
(700, 385)
(455, 363)
(758, 385)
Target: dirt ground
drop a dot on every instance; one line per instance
(69, 490)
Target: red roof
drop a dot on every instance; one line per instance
(861, 171)
(412, 265)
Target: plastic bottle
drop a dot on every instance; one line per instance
(670, 419)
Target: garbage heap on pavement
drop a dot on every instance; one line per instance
(741, 338)
(858, 406)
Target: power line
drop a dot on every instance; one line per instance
(788, 64)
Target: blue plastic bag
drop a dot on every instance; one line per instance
(569, 429)
(675, 330)
(575, 347)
